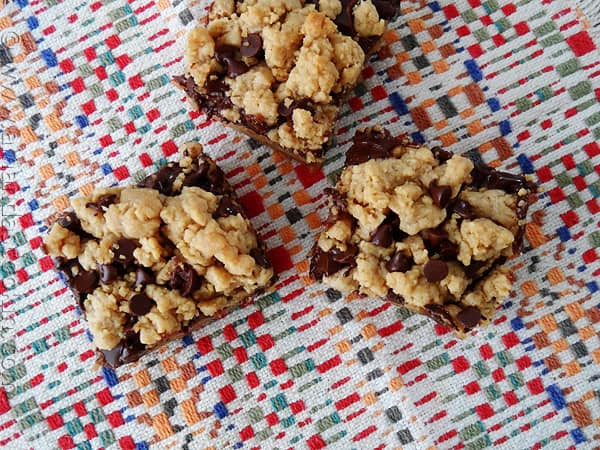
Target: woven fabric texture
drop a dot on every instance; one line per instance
(87, 100)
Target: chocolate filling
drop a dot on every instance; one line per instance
(163, 180)
(128, 350)
(71, 222)
(103, 202)
(327, 263)
(392, 297)
(370, 144)
(260, 257)
(227, 207)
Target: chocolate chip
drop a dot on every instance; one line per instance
(435, 270)
(216, 98)
(207, 179)
(363, 152)
(399, 262)
(225, 54)
(71, 222)
(260, 257)
(102, 203)
(251, 45)
(392, 297)
(181, 79)
(370, 144)
(484, 176)
(128, 350)
(345, 20)
(436, 242)
(448, 250)
(85, 282)
(323, 263)
(347, 257)
(133, 348)
(374, 134)
(440, 154)
(464, 210)
(108, 273)
(469, 317)
(387, 9)
(70, 267)
(337, 200)
(440, 194)
(394, 221)
(140, 304)
(433, 237)
(185, 279)
(286, 109)
(383, 237)
(236, 68)
(162, 180)
(189, 86)
(472, 269)
(388, 232)
(143, 276)
(123, 250)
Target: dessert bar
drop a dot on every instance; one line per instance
(153, 262)
(278, 70)
(425, 229)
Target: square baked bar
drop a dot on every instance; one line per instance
(152, 262)
(278, 70)
(422, 228)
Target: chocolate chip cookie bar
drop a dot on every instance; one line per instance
(422, 228)
(152, 262)
(278, 70)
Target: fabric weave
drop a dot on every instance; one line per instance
(87, 100)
